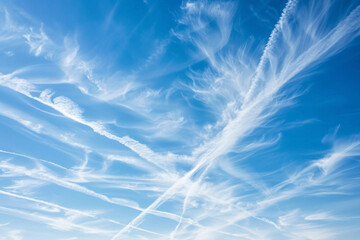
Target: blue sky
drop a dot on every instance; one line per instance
(185, 120)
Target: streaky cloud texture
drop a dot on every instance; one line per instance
(179, 120)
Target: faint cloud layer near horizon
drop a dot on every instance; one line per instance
(182, 120)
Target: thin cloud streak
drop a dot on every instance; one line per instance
(254, 109)
(216, 150)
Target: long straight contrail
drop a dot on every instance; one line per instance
(46, 203)
(218, 147)
(290, 5)
(211, 190)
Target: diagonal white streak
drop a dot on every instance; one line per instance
(69, 110)
(258, 105)
(252, 111)
(41, 175)
(290, 5)
(222, 143)
(65, 208)
(46, 203)
(32, 158)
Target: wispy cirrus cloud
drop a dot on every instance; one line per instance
(199, 140)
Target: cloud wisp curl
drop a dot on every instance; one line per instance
(197, 128)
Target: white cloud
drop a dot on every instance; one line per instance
(320, 216)
(62, 224)
(36, 41)
(17, 84)
(241, 95)
(12, 235)
(264, 97)
(9, 53)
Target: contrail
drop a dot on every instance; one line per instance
(46, 203)
(290, 5)
(217, 148)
